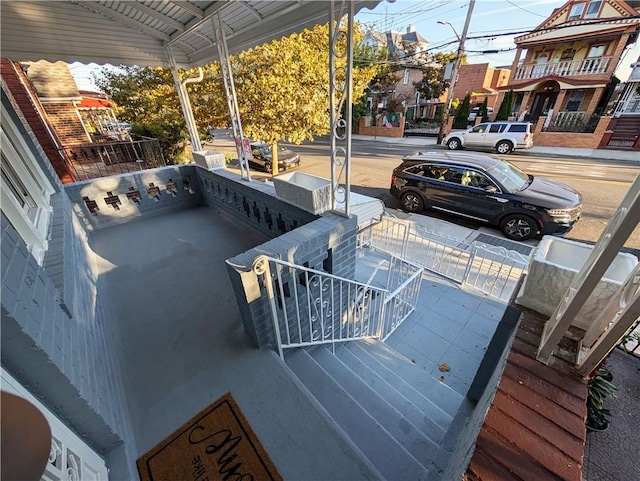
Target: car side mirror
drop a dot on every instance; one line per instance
(491, 189)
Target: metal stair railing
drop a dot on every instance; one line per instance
(310, 307)
(494, 270)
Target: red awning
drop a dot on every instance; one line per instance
(93, 103)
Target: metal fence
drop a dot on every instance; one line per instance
(494, 270)
(102, 159)
(310, 307)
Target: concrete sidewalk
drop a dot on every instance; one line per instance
(431, 142)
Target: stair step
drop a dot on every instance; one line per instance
(393, 421)
(432, 422)
(382, 450)
(406, 377)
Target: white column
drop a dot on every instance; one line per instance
(341, 84)
(185, 104)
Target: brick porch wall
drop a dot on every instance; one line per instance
(570, 139)
(311, 244)
(381, 131)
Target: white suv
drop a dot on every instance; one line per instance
(502, 136)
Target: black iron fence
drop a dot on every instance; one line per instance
(108, 157)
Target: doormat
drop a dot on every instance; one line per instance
(216, 444)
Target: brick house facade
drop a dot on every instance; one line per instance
(481, 80)
(564, 68)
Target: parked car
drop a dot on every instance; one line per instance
(488, 189)
(263, 158)
(502, 136)
(475, 111)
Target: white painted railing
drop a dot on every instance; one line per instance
(494, 270)
(310, 307)
(588, 66)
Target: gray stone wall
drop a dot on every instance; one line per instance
(331, 238)
(64, 356)
(119, 199)
(253, 204)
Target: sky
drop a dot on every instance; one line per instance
(494, 19)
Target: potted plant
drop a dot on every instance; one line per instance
(598, 417)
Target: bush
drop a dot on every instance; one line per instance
(462, 113)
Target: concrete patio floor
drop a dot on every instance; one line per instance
(182, 344)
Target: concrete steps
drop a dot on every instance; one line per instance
(394, 411)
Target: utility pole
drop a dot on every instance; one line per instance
(454, 70)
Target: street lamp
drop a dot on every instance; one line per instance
(442, 22)
(456, 66)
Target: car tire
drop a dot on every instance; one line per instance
(519, 227)
(412, 201)
(454, 144)
(267, 168)
(504, 147)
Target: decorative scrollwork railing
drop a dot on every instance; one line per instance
(310, 307)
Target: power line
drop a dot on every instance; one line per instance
(525, 10)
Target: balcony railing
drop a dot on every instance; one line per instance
(570, 68)
(94, 160)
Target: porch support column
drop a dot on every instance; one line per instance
(557, 106)
(604, 252)
(230, 93)
(340, 94)
(605, 332)
(595, 99)
(185, 104)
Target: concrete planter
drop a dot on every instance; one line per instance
(306, 191)
(210, 159)
(554, 264)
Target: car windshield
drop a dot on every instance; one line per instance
(510, 176)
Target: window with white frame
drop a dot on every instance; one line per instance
(596, 51)
(576, 11)
(593, 9)
(25, 190)
(406, 76)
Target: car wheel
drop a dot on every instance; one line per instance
(504, 147)
(267, 168)
(453, 144)
(412, 202)
(519, 227)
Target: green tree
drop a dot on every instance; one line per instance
(462, 113)
(483, 111)
(433, 84)
(505, 106)
(282, 89)
(146, 98)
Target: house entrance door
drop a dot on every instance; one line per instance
(542, 102)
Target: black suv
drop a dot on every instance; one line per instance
(488, 189)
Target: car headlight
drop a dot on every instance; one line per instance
(570, 213)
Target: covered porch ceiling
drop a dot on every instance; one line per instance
(140, 32)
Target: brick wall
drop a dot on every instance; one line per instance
(380, 130)
(20, 93)
(253, 204)
(570, 139)
(119, 199)
(64, 356)
(331, 238)
(65, 121)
